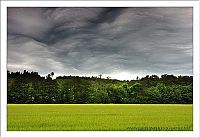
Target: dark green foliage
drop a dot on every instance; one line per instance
(31, 88)
(117, 94)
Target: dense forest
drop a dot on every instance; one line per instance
(30, 88)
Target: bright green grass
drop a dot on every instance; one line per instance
(121, 117)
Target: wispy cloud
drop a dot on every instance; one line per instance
(111, 41)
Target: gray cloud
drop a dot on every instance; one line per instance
(119, 42)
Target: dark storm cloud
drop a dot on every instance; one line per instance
(120, 42)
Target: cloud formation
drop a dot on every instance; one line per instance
(119, 42)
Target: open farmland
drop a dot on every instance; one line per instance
(96, 117)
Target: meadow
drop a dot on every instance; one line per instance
(100, 117)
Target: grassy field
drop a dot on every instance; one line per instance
(94, 117)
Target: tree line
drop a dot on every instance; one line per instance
(30, 88)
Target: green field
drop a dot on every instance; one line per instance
(94, 117)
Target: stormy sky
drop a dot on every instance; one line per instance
(118, 42)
